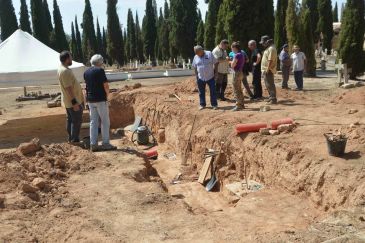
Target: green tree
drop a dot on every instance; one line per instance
(99, 38)
(220, 32)
(352, 37)
(325, 23)
(157, 44)
(149, 30)
(24, 17)
(280, 35)
(114, 34)
(200, 33)
(313, 7)
(184, 24)
(40, 27)
(335, 13)
(131, 36)
(164, 34)
(80, 53)
(8, 21)
(104, 46)
(60, 41)
(73, 43)
(89, 43)
(47, 16)
(211, 24)
(139, 41)
(293, 24)
(126, 46)
(307, 44)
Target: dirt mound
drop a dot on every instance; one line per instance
(355, 96)
(28, 181)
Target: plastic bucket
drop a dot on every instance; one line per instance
(337, 146)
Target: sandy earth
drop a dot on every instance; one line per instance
(308, 196)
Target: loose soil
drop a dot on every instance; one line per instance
(120, 196)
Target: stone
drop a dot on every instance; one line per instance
(274, 132)
(60, 163)
(265, 131)
(359, 84)
(2, 201)
(285, 128)
(137, 86)
(28, 148)
(161, 136)
(39, 183)
(119, 132)
(348, 86)
(353, 111)
(27, 188)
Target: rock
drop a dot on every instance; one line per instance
(27, 188)
(285, 128)
(39, 183)
(265, 131)
(60, 163)
(353, 111)
(359, 84)
(265, 108)
(348, 86)
(28, 148)
(137, 86)
(274, 132)
(2, 201)
(161, 136)
(119, 132)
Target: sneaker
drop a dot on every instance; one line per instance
(201, 108)
(285, 87)
(223, 99)
(108, 147)
(94, 148)
(272, 102)
(215, 108)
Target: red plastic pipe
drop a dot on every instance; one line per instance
(251, 127)
(277, 123)
(152, 153)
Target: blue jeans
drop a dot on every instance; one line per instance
(213, 95)
(73, 124)
(298, 76)
(99, 111)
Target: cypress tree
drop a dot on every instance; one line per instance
(73, 43)
(114, 34)
(293, 24)
(139, 41)
(157, 44)
(313, 7)
(131, 36)
(201, 33)
(40, 27)
(104, 44)
(89, 44)
(47, 16)
(335, 13)
(99, 38)
(307, 44)
(280, 26)
(352, 37)
(59, 33)
(24, 17)
(184, 24)
(126, 46)
(80, 54)
(211, 24)
(164, 34)
(149, 30)
(220, 32)
(8, 21)
(325, 23)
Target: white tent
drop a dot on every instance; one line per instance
(26, 61)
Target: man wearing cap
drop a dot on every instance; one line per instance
(299, 65)
(269, 66)
(205, 64)
(285, 64)
(220, 53)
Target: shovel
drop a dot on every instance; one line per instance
(213, 181)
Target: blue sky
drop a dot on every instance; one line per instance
(70, 8)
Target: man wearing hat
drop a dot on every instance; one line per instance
(285, 64)
(269, 66)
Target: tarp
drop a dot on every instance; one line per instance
(24, 59)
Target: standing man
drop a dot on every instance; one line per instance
(97, 90)
(269, 66)
(237, 65)
(220, 53)
(205, 64)
(299, 64)
(256, 69)
(285, 64)
(72, 97)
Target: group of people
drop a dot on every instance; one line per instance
(212, 69)
(97, 92)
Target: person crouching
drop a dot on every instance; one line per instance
(97, 92)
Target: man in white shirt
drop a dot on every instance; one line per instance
(221, 79)
(299, 61)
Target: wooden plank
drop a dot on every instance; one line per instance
(205, 169)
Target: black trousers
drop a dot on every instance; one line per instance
(256, 82)
(73, 124)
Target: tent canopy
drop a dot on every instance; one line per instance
(22, 53)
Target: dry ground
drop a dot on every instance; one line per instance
(121, 197)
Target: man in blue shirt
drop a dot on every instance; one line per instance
(285, 64)
(97, 91)
(205, 65)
